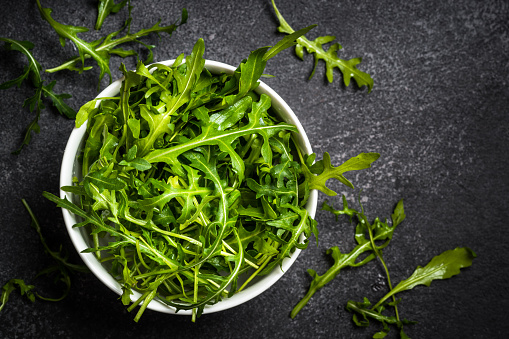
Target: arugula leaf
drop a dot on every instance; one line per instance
(212, 136)
(372, 238)
(327, 171)
(100, 50)
(58, 100)
(366, 312)
(34, 103)
(62, 269)
(10, 286)
(306, 226)
(69, 32)
(330, 57)
(443, 266)
(105, 7)
(158, 123)
(59, 256)
(381, 232)
(287, 41)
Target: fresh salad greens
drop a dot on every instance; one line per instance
(10, 286)
(191, 182)
(371, 239)
(105, 7)
(32, 74)
(60, 270)
(366, 235)
(330, 56)
(101, 50)
(443, 266)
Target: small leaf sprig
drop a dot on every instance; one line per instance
(347, 67)
(443, 266)
(378, 231)
(61, 269)
(32, 74)
(101, 50)
(105, 7)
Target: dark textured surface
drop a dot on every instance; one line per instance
(438, 115)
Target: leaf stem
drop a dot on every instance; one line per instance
(379, 255)
(255, 273)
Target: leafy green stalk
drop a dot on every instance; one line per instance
(330, 57)
(102, 49)
(379, 231)
(378, 253)
(363, 309)
(318, 173)
(443, 266)
(32, 73)
(62, 269)
(59, 257)
(10, 286)
(105, 7)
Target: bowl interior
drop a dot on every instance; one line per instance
(82, 241)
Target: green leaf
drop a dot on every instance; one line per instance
(158, 123)
(231, 115)
(443, 266)
(58, 100)
(287, 41)
(100, 50)
(399, 214)
(286, 168)
(366, 312)
(364, 309)
(105, 7)
(271, 191)
(305, 226)
(69, 32)
(34, 103)
(251, 71)
(362, 161)
(33, 68)
(10, 286)
(138, 163)
(330, 57)
(211, 136)
(103, 181)
(381, 232)
(32, 127)
(84, 112)
(170, 193)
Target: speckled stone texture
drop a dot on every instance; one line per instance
(438, 115)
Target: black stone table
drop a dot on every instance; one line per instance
(438, 115)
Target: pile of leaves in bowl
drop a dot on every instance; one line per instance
(189, 181)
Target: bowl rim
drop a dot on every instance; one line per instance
(251, 291)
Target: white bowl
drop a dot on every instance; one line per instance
(82, 241)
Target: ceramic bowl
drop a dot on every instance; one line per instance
(82, 241)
